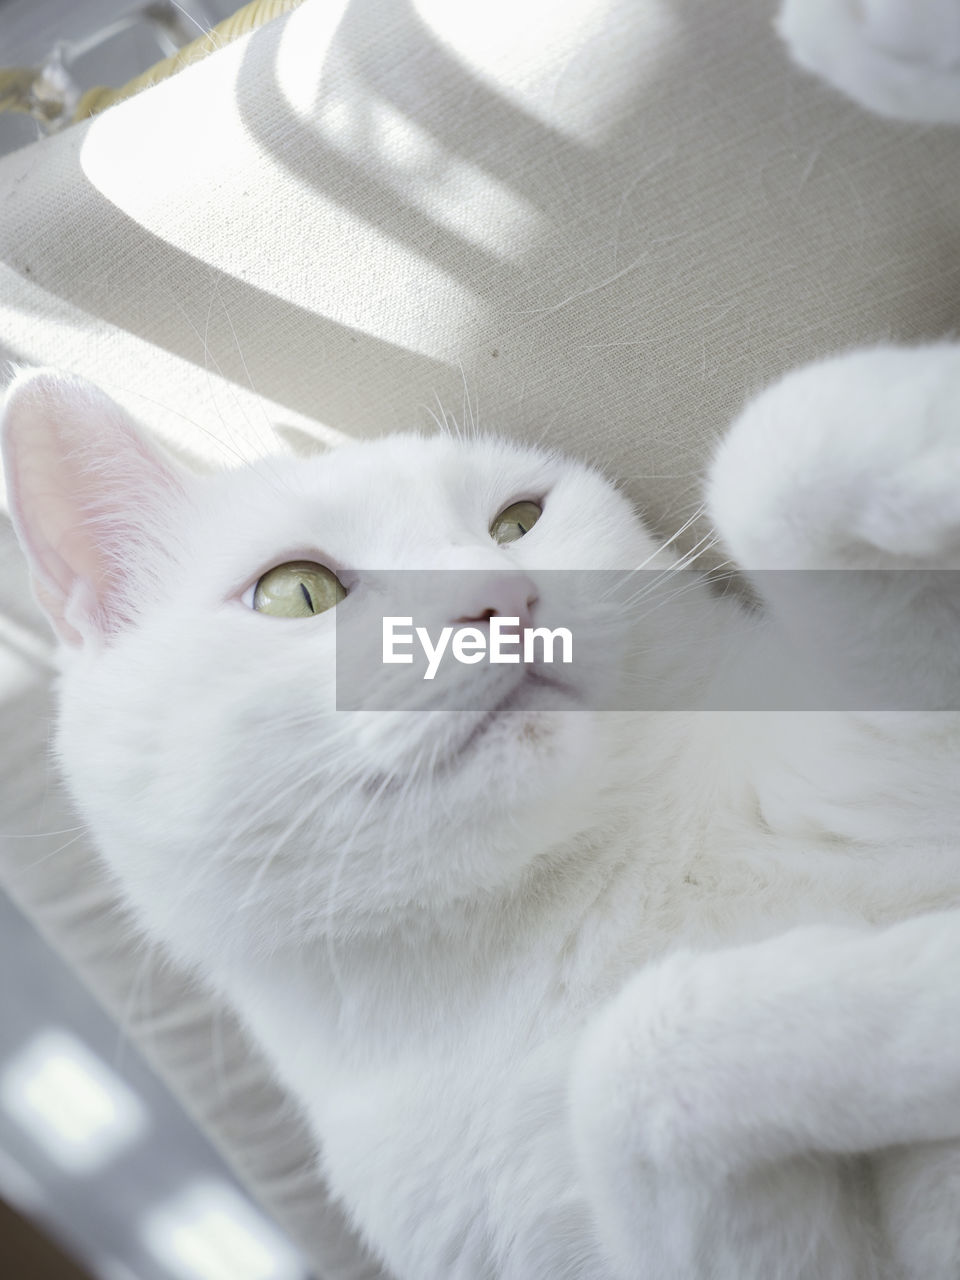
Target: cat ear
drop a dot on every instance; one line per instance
(86, 493)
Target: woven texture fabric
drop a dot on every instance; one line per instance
(599, 224)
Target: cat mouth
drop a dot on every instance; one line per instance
(536, 692)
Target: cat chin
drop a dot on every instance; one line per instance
(528, 785)
(523, 720)
(527, 769)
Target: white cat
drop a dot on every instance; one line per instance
(566, 995)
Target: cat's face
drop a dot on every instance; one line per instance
(199, 726)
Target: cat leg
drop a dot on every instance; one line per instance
(854, 463)
(918, 1189)
(720, 1101)
(899, 58)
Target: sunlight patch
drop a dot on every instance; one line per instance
(78, 1111)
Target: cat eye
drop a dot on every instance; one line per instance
(297, 589)
(514, 521)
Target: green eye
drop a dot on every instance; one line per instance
(514, 521)
(297, 589)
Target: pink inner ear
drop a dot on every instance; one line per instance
(62, 549)
(83, 487)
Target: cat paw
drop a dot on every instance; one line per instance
(852, 462)
(899, 58)
(914, 512)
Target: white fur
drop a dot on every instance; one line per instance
(609, 995)
(899, 58)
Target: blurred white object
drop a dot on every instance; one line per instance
(69, 1101)
(209, 1232)
(899, 58)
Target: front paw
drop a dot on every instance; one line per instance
(914, 511)
(680, 1107)
(853, 462)
(630, 1139)
(899, 58)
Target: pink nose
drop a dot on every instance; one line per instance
(503, 595)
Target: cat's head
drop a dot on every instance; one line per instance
(198, 727)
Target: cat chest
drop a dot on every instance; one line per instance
(463, 1167)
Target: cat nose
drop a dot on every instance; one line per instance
(505, 595)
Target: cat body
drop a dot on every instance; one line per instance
(445, 1106)
(563, 993)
